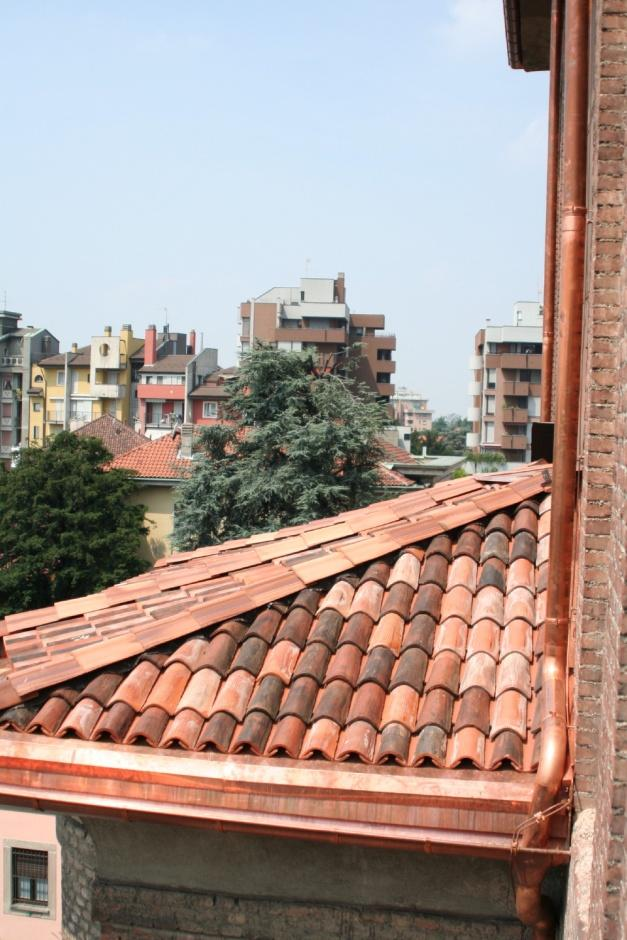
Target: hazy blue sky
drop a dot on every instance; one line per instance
(190, 155)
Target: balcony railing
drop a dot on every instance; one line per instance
(101, 390)
(11, 360)
(515, 415)
(309, 335)
(514, 442)
(55, 416)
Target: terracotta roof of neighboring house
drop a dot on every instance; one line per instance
(231, 684)
(80, 358)
(211, 390)
(117, 437)
(155, 460)
(389, 477)
(171, 364)
(394, 454)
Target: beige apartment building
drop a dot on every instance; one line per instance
(505, 387)
(411, 409)
(316, 315)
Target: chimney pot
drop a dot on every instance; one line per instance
(74, 347)
(192, 342)
(107, 331)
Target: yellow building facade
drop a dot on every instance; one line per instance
(70, 389)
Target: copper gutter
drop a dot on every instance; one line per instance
(532, 907)
(550, 243)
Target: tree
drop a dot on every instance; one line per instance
(485, 460)
(302, 445)
(66, 525)
(447, 436)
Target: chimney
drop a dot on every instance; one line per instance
(74, 347)
(340, 289)
(107, 331)
(150, 345)
(192, 342)
(187, 441)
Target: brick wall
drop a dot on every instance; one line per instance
(601, 647)
(177, 915)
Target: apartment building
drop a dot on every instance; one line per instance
(411, 409)
(505, 388)
(315, 315)
(166, 380)
(20, 348)
(71, 389)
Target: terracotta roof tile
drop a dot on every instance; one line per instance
(117, 437)
(429, 653)
(155, 460)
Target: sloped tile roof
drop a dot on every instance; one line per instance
(427, 647)
(390, 477)
(82, 357)
(433, 655)
(117, 437)
(394, 454)
(174, 363)
(155, 460)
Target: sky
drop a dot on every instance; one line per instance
(162, 162)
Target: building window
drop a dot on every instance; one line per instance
(210, 409)
(383, 377)
(60, 378)
(490, 378)
(489, 404)
(37, 406)
(104, 349)
(384, 354)
(489, 432)
(29, 879)
(35, 433)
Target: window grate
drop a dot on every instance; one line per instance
(29, 875)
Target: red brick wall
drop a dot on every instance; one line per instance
(601, 640)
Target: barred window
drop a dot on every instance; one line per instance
(29, 876)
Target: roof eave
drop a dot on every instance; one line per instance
(527, 31)
(461, 812)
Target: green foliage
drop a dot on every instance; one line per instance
(303, 445)
(66, 527)
(447, 437)
(485, 460)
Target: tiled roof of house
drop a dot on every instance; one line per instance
(80, 358)
(408, 631)
(155, 460)
(117, 437)
(435, 655)
(390, 477)
(394, 454)
(172, 364)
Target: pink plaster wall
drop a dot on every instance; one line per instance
(16, 827)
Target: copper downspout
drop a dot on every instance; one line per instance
(550, 242)
(531, 906)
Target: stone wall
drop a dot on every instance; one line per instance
(78, 873)
(138, 881)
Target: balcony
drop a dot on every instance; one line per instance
(534, 361)
(512, 361)
(374, 321)
(474, 388)
(475, 362)
(514, 442)
(515, 388)
(515, 415)
(384, 342)
(55, 416)
(385, 388)
(309, 335)
(11, 360)
(472, 439)
(106, 391)
(473, 414)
